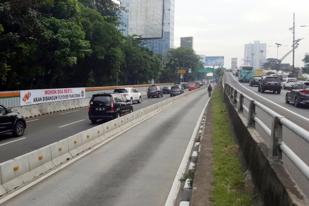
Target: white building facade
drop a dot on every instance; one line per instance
(234, 63)
(255, 54)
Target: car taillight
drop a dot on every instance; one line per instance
(112, 106)
(304, 92)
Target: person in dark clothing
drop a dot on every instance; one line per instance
(209, 90)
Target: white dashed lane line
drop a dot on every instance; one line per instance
(9, 142)
(69, 124)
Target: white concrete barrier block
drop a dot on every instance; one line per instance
(184, 203)
(60, 152)
(75, 144)
(194, 156)
(191, 166)
(14, 173)
(40, 161)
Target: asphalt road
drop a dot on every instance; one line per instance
(48, 129)
(136, 169)
(276, 102)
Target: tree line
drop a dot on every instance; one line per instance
(73, 43)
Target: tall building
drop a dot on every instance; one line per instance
(234, 63)
(186, 42)
(153, 21)
(255, 54)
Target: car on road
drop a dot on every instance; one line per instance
(175, 90)
(154, 91)
(254, 81)
(131, 94)
(299, 95)
(270, 83)
(288, 82)
(166, 90)
(192, 86)
(107, 107)
(11, 122)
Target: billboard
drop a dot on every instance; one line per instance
(214, 61)
(38, 96)
(146, 18)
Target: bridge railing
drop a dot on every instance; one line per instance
(285, 141)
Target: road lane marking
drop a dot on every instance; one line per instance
(69, 124)
(64, 113)
(16, 140)
(32, 120)
(270, 101)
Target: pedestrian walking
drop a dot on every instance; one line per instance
(209, 90)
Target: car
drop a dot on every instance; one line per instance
(192, 86)
(271, 83)
(154, 91)
(254, 81)
(288, 82)
(131, 94)
(175, 90)
(11, 122)
(181, 87)
(298, 95)
(166, 90)
(106, 107)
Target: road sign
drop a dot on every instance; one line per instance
(182, 71)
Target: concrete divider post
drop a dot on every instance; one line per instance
(277, 138)
(251, 115)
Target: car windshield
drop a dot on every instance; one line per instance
(175, 88)
(292, 80)
(102, 98)
(120, 91)
(152, 88)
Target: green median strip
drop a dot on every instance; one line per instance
(229, 179)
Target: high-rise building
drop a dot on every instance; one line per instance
(255, 54)
(157, 29)
(234, 63)
(186, 42)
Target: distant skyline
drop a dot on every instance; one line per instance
(223, 27)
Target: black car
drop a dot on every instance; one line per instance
(298, 95)
(11, 122)
(271, 83)
(175, 90)
(154, 91)
(166, 90)
(254, 81)
(107, 107)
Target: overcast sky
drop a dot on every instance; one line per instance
(222, 27)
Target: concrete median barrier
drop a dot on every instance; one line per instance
(76, 144)
(15, 173)
(60, 152)
(40, 161)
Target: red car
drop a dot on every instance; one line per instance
(192, 86)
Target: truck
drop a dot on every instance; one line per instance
(258, 72)
(245, 73)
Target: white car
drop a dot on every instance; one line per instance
(131, 94)
(288, 82)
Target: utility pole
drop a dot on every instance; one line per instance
(293, 45)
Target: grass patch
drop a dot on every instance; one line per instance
(228, 185)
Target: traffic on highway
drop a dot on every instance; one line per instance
(19, 135)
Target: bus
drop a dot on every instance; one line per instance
(245, 73)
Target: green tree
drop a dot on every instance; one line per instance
(306, 61)
(181, 58)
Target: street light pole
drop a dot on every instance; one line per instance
(278, 45)
(293, 45)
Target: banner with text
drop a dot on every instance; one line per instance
(38, 96)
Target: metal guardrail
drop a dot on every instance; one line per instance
(286, 141)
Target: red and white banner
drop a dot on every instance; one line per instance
(38, 96)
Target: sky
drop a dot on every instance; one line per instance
(223, 27)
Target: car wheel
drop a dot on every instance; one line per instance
(93, 121)
(140, 100)
(287, 99)
(279, 91)
(19, 128)
(262, 90)
(274, 91)
(117, 115)
(259, 89)
(296, 102)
